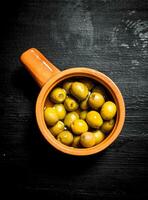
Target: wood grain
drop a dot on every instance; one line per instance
(107, 35)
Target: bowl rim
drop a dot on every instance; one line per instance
(101, 78)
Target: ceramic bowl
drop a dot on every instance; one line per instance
(48, 76)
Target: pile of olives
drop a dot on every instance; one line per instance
(82, 114)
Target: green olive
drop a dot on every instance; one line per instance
(70, 104)
(83, 114)
(60, 109)
(108, 110)
(70, 118)
(67, 85)
(57, 128)
(50, 116)
(76, 113)
(84, 104)
(79, 90)
(79, 126)
(99, 136)
(89, 83)
(76, 141)
(94, 119)
(58, 95)
(96, 100)
(108, 126)
(87, 139)
(65, 137)
(101, 90)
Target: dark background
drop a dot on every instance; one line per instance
(110, 36)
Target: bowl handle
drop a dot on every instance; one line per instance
(38, 66)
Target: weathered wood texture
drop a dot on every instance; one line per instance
(108, 35)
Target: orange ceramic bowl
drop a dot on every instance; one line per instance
(48, 76)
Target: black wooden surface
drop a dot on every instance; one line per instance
(110, 36)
